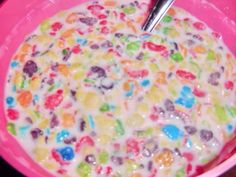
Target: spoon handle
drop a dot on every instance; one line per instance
(157, 13)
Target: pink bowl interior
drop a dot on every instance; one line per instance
(17, 22)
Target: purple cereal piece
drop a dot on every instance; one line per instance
(94, 46)
(117, 160)
(190, 130)
(107, 44)
(35, 133)
(99, 71)
(169, 105)
(54, 121)
(30, 68)
(206, 135)
(82, 125)
(90, 21)
(107, 84)
(90, 159)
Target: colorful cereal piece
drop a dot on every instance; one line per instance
(164, 158)
(25, 98)
(172, 132)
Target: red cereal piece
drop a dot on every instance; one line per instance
(12, 114)
(56, 26)
(103, 22)
(104, 30)
(95, 7)
(138, 73)
(122, 16)
(54, 100)
(153, 117)
(58, 158)
(84, 140)
(229, 85)
(185, 75)
(102, 16)
(199, 93)
(76, 49)
(108, 170)
(216, 35)
(154, 47)
(132, 146)
(199, 25)
(188, 156)
(189, 168)
(62, 171)
(153, 172)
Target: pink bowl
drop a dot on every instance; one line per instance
(19, 18)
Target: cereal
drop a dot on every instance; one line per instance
(90, 94)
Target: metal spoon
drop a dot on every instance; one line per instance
(157, 13)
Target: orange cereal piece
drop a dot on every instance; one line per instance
(25, 98)
(25, 48)
(63, 69)
(68, 120)
(171, 12)
(72, 18)
(136, 175)
(68, 33)
(164, 158)
(161, 78)
(199, 49)
(131, 25)
(110, 3)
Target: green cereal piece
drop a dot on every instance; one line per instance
(167, 19)
(129, 10)
(221, 114)
(177, 57)
(180, 173)
(105, 107)
(211, 55)
(11, 128)
(84, 169)
(133, 46)
(119, 128)
(103, 157)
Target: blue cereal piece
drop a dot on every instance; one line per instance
(91, 121)
(67, 153)
(82, 42)
(14, 64)
(172, 132)
(186, 98)
(62, 135)
(10, 101)
(145, 83)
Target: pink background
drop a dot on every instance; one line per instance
(19, 17)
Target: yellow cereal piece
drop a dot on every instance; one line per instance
(44, 123)
(68, 120)
(134, 120)
(92, 100)
(51, 165)
(105, 124)
(17, 79)
(34, 83)
(104, 139)
(142, 108)
(41, 154)
(173, 33)
(71, 41)
(155, 95)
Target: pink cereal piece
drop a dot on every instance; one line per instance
(54, 100)
(103, 22)
(216, 35)
(102, 16)
(104, 30)
(229, 85)
(84, 140)
(58, 158)
(138, 73)
(188, 156)
(108, 170)
(132, 146)
(199, 93)
(95, 7)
